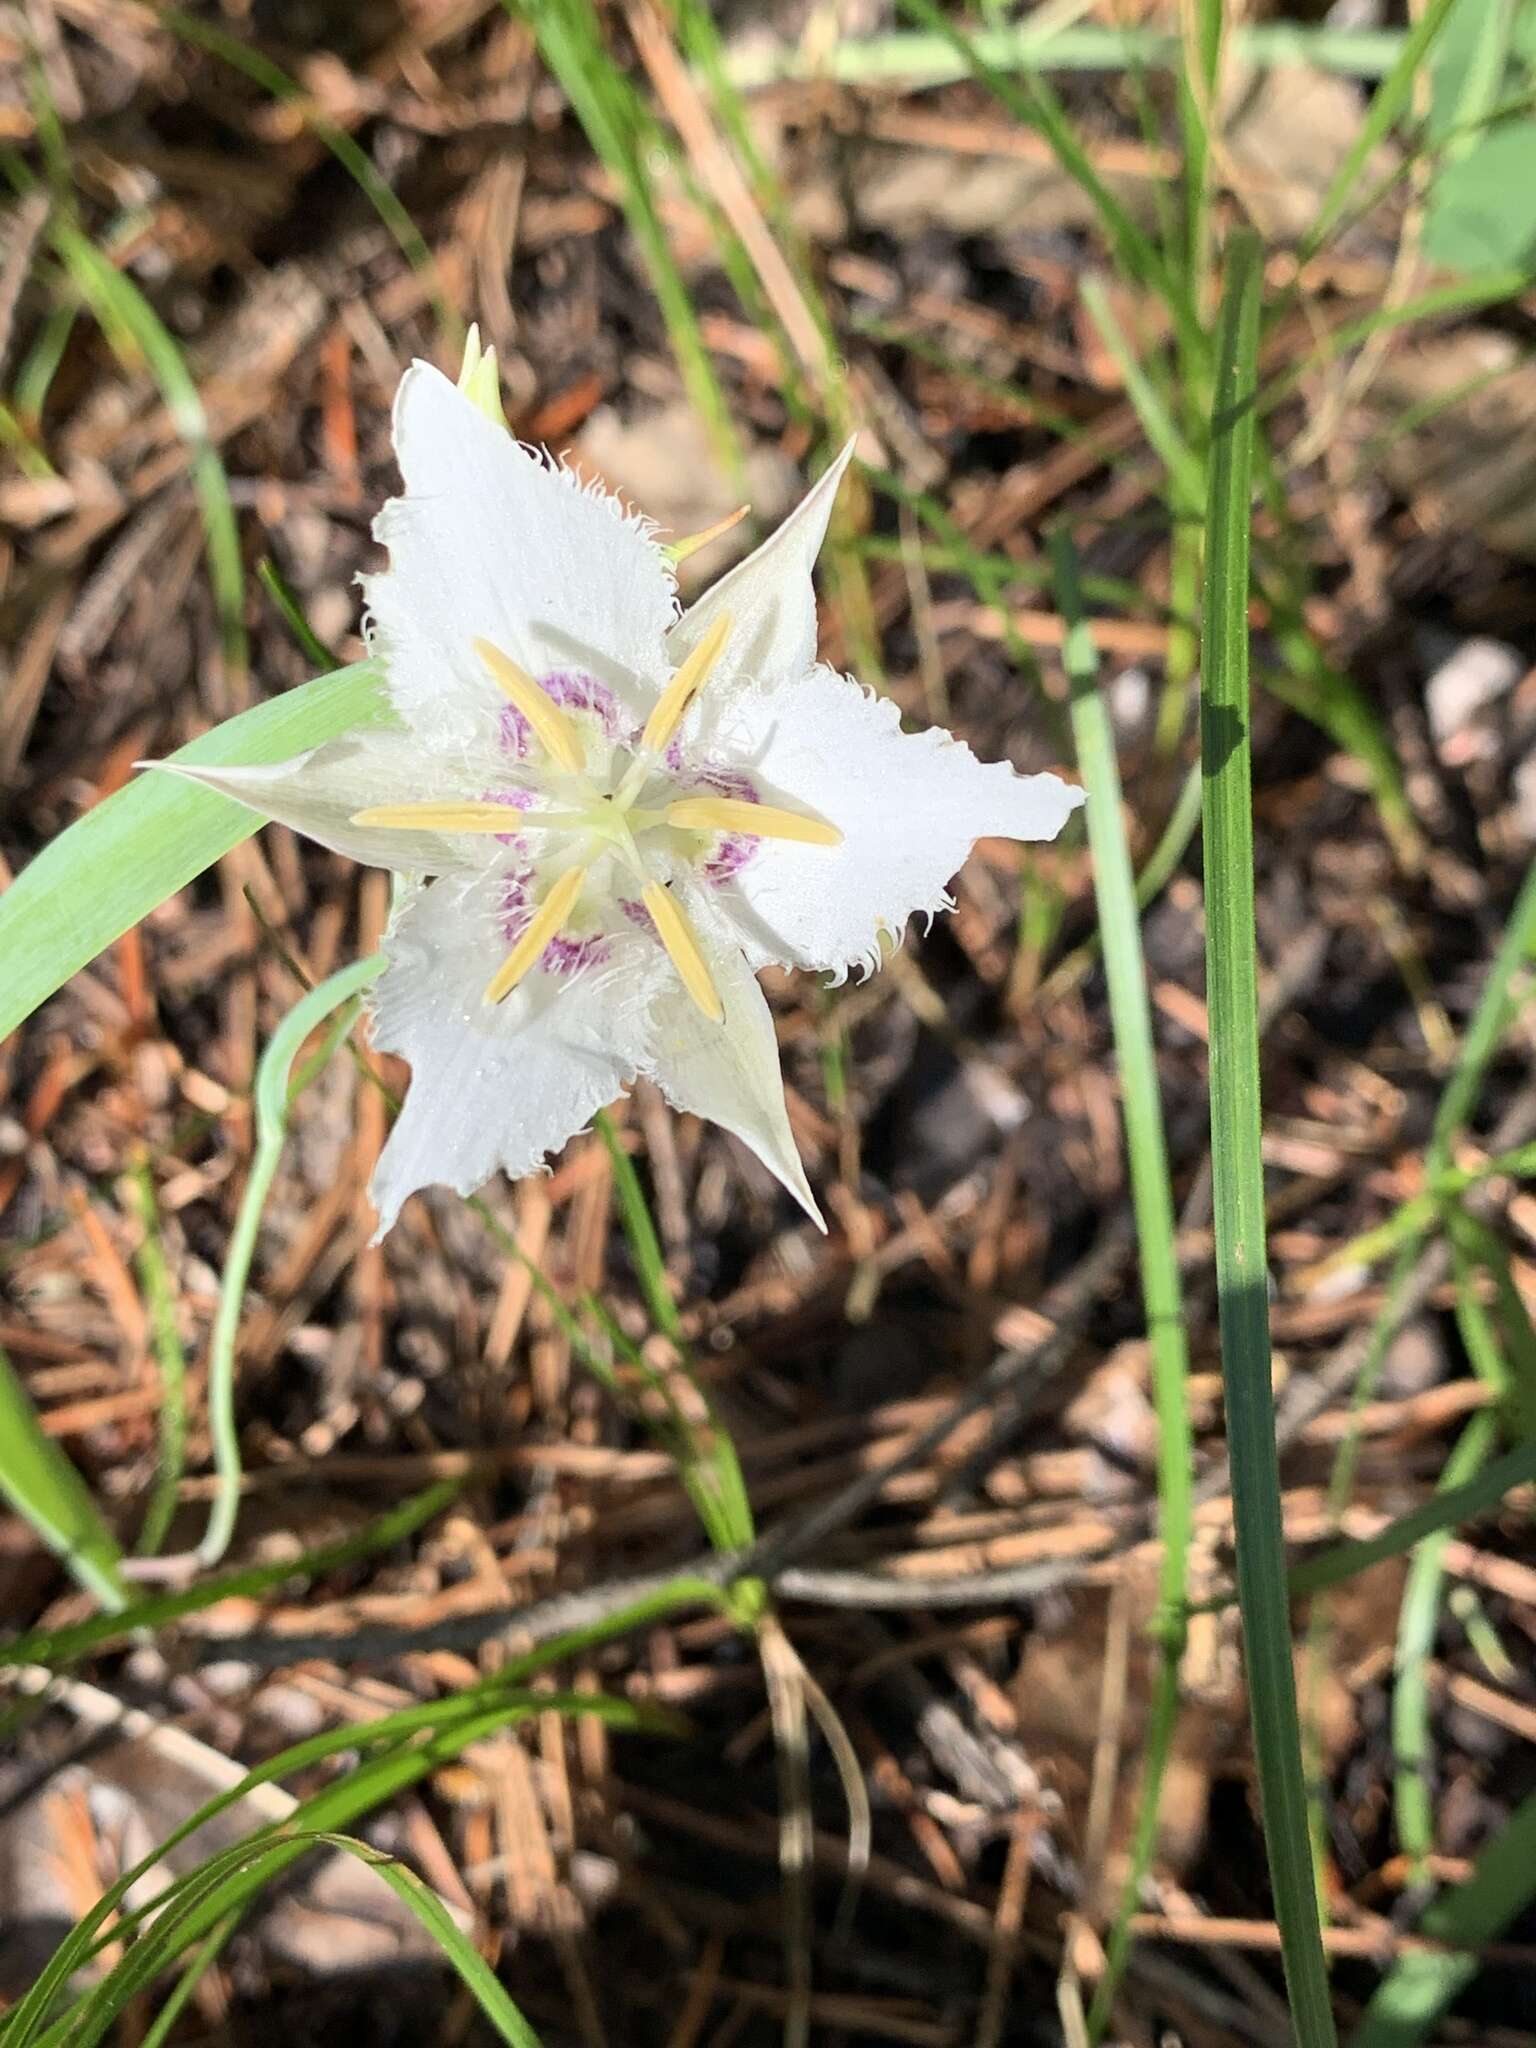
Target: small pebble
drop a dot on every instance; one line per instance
(1476, 675)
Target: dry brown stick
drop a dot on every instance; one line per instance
(1007, 1926)
(1381, 1943)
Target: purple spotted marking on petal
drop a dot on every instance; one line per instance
(577, 691)
(732, 850)
(573, 690)
(515, 732)
(730, 856)
(569, 956)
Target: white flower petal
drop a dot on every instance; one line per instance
(316, 793)
(727, 1072)
(770, 598)
(495, 1086)
(492, 540)
(909, 806)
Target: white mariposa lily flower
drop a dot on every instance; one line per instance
(609, 817)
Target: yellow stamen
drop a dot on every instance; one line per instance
(553, 728)
(547, 920)
(762, 821)
(680, 550)
(468, 817)
(684, 687)
(677, 935)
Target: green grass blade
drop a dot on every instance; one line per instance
(140, 845)
(1498, 1334)
(1238, 1175)
(39, 366)
(305, 638)
(273, 1100)
(702, 44)
(474, 1971)
(917, 60)
(1152, 1197)
(1311, 685)
(198, 1966)
(1157, 423)
(195, 1916)
(640, 1229)
(412, 1742)
(1485, 288)
(50, 1496)
(1419, 1617)
(1186, 470)
(21, 447)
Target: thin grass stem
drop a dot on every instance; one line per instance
(1237, 1159)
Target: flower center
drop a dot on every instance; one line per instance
(586, 828)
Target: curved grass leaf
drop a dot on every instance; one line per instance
(273, 1097)
(413, 1742)
(48, 1493)
(245, 1869)
(150, 838)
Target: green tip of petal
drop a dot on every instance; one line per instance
(478, 379)
(471, 361)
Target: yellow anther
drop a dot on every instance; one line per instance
(678, 936)
(468, 817)
(547, 920)
(762, 821)
(684, 687)
(549, 722)
(680, 550)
